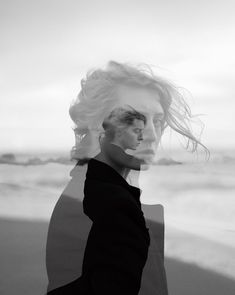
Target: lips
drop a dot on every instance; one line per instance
(146, 152)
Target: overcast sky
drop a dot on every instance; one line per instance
(48, 46)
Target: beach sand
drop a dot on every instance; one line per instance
(23, 271)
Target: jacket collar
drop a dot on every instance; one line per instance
(104, 172)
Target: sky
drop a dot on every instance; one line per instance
(46, 48)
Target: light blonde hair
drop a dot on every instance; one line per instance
(97, 98)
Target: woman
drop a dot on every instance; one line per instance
(117, 245)
(103, 90)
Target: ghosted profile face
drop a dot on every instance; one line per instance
(130, 136)
(147, 102)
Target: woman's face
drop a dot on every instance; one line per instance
(131, 136)
(147, 102)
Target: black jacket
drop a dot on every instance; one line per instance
(118, 242)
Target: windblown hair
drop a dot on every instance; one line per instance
(120, 118)
(97, 99)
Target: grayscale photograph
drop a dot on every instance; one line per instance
(117, 147)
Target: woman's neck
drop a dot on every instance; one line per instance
(123, 171)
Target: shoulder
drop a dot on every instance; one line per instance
(105, 189)
(108, 194)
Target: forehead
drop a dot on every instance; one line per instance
(144, 100)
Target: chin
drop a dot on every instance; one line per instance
(145, 167)
(145, 154)
(149, 159)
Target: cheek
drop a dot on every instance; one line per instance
(135, 136)
(131, 138)
(159, 131)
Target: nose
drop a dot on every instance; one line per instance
(140, 137)
(151, 134)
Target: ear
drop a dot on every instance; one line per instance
(101, 136)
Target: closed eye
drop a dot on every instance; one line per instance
(158, 117)
(158, 124)
(138, 130)
(157, 121)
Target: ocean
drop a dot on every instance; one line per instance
(198, 198)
